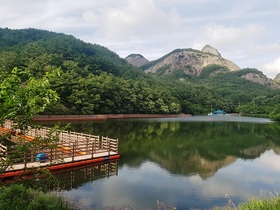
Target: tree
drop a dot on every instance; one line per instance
(22, 96)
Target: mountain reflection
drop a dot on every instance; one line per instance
(186, 148)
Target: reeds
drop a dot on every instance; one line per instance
(266, 201)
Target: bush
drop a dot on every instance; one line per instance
(18, 197)
(48, 202)
(14, 197)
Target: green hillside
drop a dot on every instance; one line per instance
(95, 80)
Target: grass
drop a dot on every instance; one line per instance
(18, 197)
(266, 201)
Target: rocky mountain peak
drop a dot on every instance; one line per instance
(136, 60)
(189, 61)
(277, 78)
(209, 49)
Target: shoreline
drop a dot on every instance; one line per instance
(105, 117)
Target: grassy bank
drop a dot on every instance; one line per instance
(18, 197)
(267, 201)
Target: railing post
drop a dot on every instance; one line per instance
(73, 151)
(92, 148)
(117, 151)
(25, 161)
(109, 142)
(87, 138)
(51, 156)
(7, 152)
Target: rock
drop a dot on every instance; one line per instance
(277, 78)
(136, 60)
(190, 61)
(260, 78)
(210, 49)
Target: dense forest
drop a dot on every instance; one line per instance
(95, 80)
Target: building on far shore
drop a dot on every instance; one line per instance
(217, 112)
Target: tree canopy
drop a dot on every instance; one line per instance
(95, 80)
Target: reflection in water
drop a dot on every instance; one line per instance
(74, 178)
(184, 164)
(141, 187)
(184, 147)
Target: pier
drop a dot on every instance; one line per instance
(70, 150)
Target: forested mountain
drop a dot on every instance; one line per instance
(95, 80)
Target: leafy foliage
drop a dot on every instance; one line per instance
(95, 80)
(24, 95)
(18, 197)
(209, 70)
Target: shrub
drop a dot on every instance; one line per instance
(14, 197)
(18, 197)
(48, 202)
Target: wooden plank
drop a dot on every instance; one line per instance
(59, 161)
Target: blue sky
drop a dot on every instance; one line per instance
(245, 32)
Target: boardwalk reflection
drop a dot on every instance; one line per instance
(74, 178)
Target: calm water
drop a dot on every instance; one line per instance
(191, 163)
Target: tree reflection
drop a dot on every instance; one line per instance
(186, 148)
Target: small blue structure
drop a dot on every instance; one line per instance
(218, 112)
(41, 157)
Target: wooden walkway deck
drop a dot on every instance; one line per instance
(72, 149)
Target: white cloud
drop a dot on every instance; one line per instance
(272, 68)
(270, 159)
(269, 48)
(133, 19)
(227, 37)
(153, 28)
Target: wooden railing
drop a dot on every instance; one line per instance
(69, 144)
(109, 144)
(3, 152)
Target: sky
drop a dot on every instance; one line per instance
(243, 31)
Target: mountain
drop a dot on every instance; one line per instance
(277, 78)
(26, 47)
(260, 78)
(136, 60)
(189, 61)
(95, 80)
(209, 49)
(201, 64)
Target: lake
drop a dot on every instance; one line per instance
(187, 163)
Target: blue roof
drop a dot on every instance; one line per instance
(218, 111)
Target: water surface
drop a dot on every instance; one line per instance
(190, 163)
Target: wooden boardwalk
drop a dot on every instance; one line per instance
(71, 149)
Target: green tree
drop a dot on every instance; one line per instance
(22, 96)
